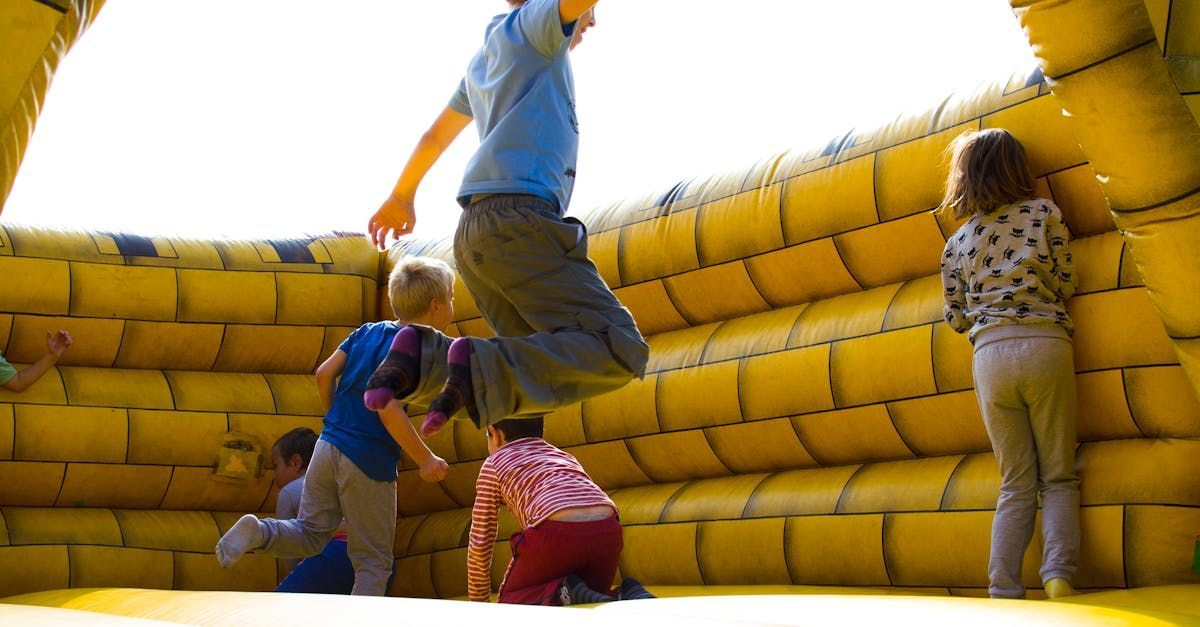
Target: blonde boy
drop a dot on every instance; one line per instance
(353, 468)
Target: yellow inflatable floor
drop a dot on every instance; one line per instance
(806, 446)
(719, 605)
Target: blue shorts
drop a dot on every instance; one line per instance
(329, 572)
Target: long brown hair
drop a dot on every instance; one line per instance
(988, 169)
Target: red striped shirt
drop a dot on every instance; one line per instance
(535, 479)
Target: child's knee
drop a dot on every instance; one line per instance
(1020, 482)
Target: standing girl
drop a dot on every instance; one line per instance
(1007, 274)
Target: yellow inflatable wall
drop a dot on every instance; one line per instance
(806, 419)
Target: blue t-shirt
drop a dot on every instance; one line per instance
(520, 90)
(355, 430)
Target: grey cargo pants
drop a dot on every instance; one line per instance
(561, 334)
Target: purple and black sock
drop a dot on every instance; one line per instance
(456, 393)
(398, 375)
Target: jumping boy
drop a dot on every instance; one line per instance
(353, 468)
(570, 542)
(562, 336)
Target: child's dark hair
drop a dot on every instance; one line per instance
(298, 441)
(517, 428)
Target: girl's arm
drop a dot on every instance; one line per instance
(1060, 253)
(954, 290)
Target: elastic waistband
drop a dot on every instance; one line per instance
(1014, 331)
(586, 526)
(484, 202)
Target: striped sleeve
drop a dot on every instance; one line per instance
(483, 534)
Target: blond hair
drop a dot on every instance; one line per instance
(988, 169)
(415, 282)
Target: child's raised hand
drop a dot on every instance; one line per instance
(433, 469)
(396, 216)
(58, 342)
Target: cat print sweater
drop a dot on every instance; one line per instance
(1009, 267)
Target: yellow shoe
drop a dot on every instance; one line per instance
(1058, 587)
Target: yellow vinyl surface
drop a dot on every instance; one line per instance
(711, 605)
(806, 418)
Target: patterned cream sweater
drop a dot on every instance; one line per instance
(1010, 266)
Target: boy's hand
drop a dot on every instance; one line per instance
(396, 216)
(434, 469)
(58, 342)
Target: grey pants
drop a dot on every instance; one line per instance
(335, 488)
(1026, 391)
(561, 334)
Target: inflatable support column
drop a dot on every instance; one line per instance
(1122, 87)
(37, 35)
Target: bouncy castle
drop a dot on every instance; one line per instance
(806, 445)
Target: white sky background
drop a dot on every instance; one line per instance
(247, 118)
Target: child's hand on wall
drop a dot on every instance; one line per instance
(58, 342)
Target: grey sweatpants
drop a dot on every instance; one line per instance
(561, 334)
(1026, 391)
(334, 488)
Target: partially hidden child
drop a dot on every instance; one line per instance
(330, 571)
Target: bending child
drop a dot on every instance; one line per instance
(1007, 274)
(570, 543)
(562, 336)
(353, 468)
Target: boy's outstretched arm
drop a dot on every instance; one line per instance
(397, 216)
(56, 344)
(570, 10)
(398, 425)
(327, 374)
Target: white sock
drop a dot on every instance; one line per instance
(245, 535)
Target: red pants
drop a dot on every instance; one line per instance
(544, 555)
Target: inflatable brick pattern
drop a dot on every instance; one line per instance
(180, 344)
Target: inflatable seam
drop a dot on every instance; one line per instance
(883, 549)
(1152, 41)
(1156, 205)
(53, 5)
(887, 407)
(1129, 405)
(1125, 545)
(949, 482)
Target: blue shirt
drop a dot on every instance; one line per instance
(520, 90)
(355, 430)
